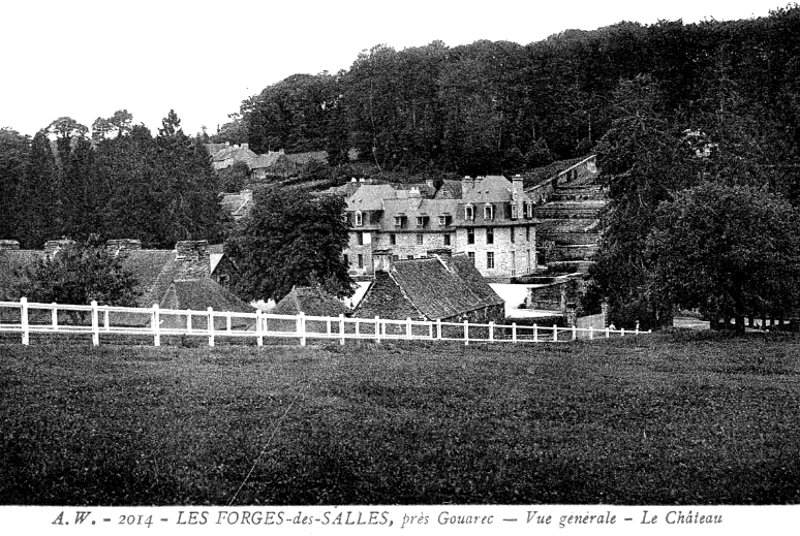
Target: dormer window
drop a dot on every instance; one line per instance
(359, 219)
(488, 212)
(399, 221)
(529, 210)
(445, 220)
(469, 212)
(514, 211)
(422, 222)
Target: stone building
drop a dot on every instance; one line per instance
(490, 219)
(437, 287)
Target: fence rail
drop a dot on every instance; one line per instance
(95, 320)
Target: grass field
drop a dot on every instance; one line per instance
(666, 419)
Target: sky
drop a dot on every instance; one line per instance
(86, 58)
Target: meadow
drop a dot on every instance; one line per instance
(673, 418)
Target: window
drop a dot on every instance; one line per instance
(470, 236)
(489, 235)
(529, 210)
(409, 257)
(360, 237)
(359, 219)
(488, 212)
(513, 264)
(392, 239)
(422, 221)
(513, 237)
(471, 256)
(528, 233)
(399, 221)
(514, 214)
(420, 239)
(445, 220)
(490, 260)
(360, 260)
(469, 212)
(447, 239)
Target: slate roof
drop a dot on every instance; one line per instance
(414, 207)
(237, 154)
(371, 196)
(304, 158)
(433, 288)
(489, 189)
(311, 301)
(267, 160)
(157, 273)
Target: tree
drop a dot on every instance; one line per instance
(37, 218)
(731, 251)
(14, 149)
(290, 239)
(233, 178)
(78, 275)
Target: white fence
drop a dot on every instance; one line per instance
(97, 320)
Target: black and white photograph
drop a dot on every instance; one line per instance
(428, 267)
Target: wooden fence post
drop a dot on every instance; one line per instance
(377, 329)
(608, 332)
(491, 331)
(408, 327)
(637, 327)
(574, 332)
(54, 316)
(156, 322)
(591, 333)
(466, 333)
(188, 321)
(555, 333)
(95, 325)
(514, 332)
(439, 329)
(210, 326)
(341, 328)
(301, 327)
(228, 321)
(259, 328)
(535, 333)
(23, 320)
(622, 332)
(106, 319)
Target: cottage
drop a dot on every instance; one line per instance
(173, 279)
(311, 301)
(438, 287)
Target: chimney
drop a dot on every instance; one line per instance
(116, 246)
(9, 245)
(52, 247)
(193, 259)
(517, 195)
(246, 146)
(382, 260)
(414, 192)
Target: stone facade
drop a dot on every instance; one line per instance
(193, 258)
(480, 222)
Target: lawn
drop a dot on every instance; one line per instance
(663, 419)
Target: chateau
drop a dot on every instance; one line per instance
(490, 219)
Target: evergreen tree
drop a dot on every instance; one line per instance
(37, 196)
(14, 150)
